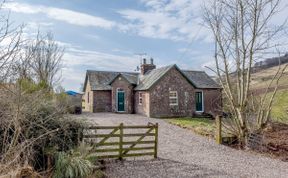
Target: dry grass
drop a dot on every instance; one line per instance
(276, 140)
(261, 79)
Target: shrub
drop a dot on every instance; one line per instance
(32, 119)
(72, 165)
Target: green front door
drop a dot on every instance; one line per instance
(199, 101)
(121, 103)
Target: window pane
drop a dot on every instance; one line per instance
(173, 98)
(140, 98)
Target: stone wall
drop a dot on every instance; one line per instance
(156, 100)
(143, 108)
(213, 101)
(88, 103)
(102, 101)
(174, 81)
(159, 96)
(122, 83)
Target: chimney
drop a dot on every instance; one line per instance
(144, 61)
(147, 67)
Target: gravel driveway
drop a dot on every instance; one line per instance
(185, 154)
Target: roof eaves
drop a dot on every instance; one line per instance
(200, 87)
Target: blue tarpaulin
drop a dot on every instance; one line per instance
(73, 93)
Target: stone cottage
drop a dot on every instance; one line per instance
(155, 92)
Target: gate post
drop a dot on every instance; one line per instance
(156, 141)
(219, 129)
(121, 142)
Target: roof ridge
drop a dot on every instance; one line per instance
(168, 66)
(112, 71)
(130, 74)
(193, 71)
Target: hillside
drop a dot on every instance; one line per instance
(261, 79)
(270, 62)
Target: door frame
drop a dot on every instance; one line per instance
(120, 90)
(202, 93)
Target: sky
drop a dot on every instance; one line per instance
(110, 34)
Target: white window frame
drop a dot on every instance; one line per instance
(140, 102)
(173, 97)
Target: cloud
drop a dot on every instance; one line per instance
(177, 20)
(65, 15)
(31, 28)
(190, 51)
(77, 61)
(94, 36)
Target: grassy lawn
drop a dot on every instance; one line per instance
(202, 126)
(280, 107)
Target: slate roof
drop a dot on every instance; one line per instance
(131, 78)
(200, 79)
(101, 80)
(146, 81)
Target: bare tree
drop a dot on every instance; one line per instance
(31, 118)
(10, 45)
(46, 59)
(243, 33)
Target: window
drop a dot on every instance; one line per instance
(88, 97)
(120, 89)
(173, 98)
(140, 98)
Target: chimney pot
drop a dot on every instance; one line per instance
(144, 61)
(147, 67)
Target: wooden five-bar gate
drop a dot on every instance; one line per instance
(123, 141)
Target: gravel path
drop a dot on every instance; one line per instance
(185, 154)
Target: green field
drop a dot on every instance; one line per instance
(280, 107)
(261, 79)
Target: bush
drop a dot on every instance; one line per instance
(33, 119)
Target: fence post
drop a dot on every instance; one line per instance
(121, 142)
(156, 140)
(219, 129)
